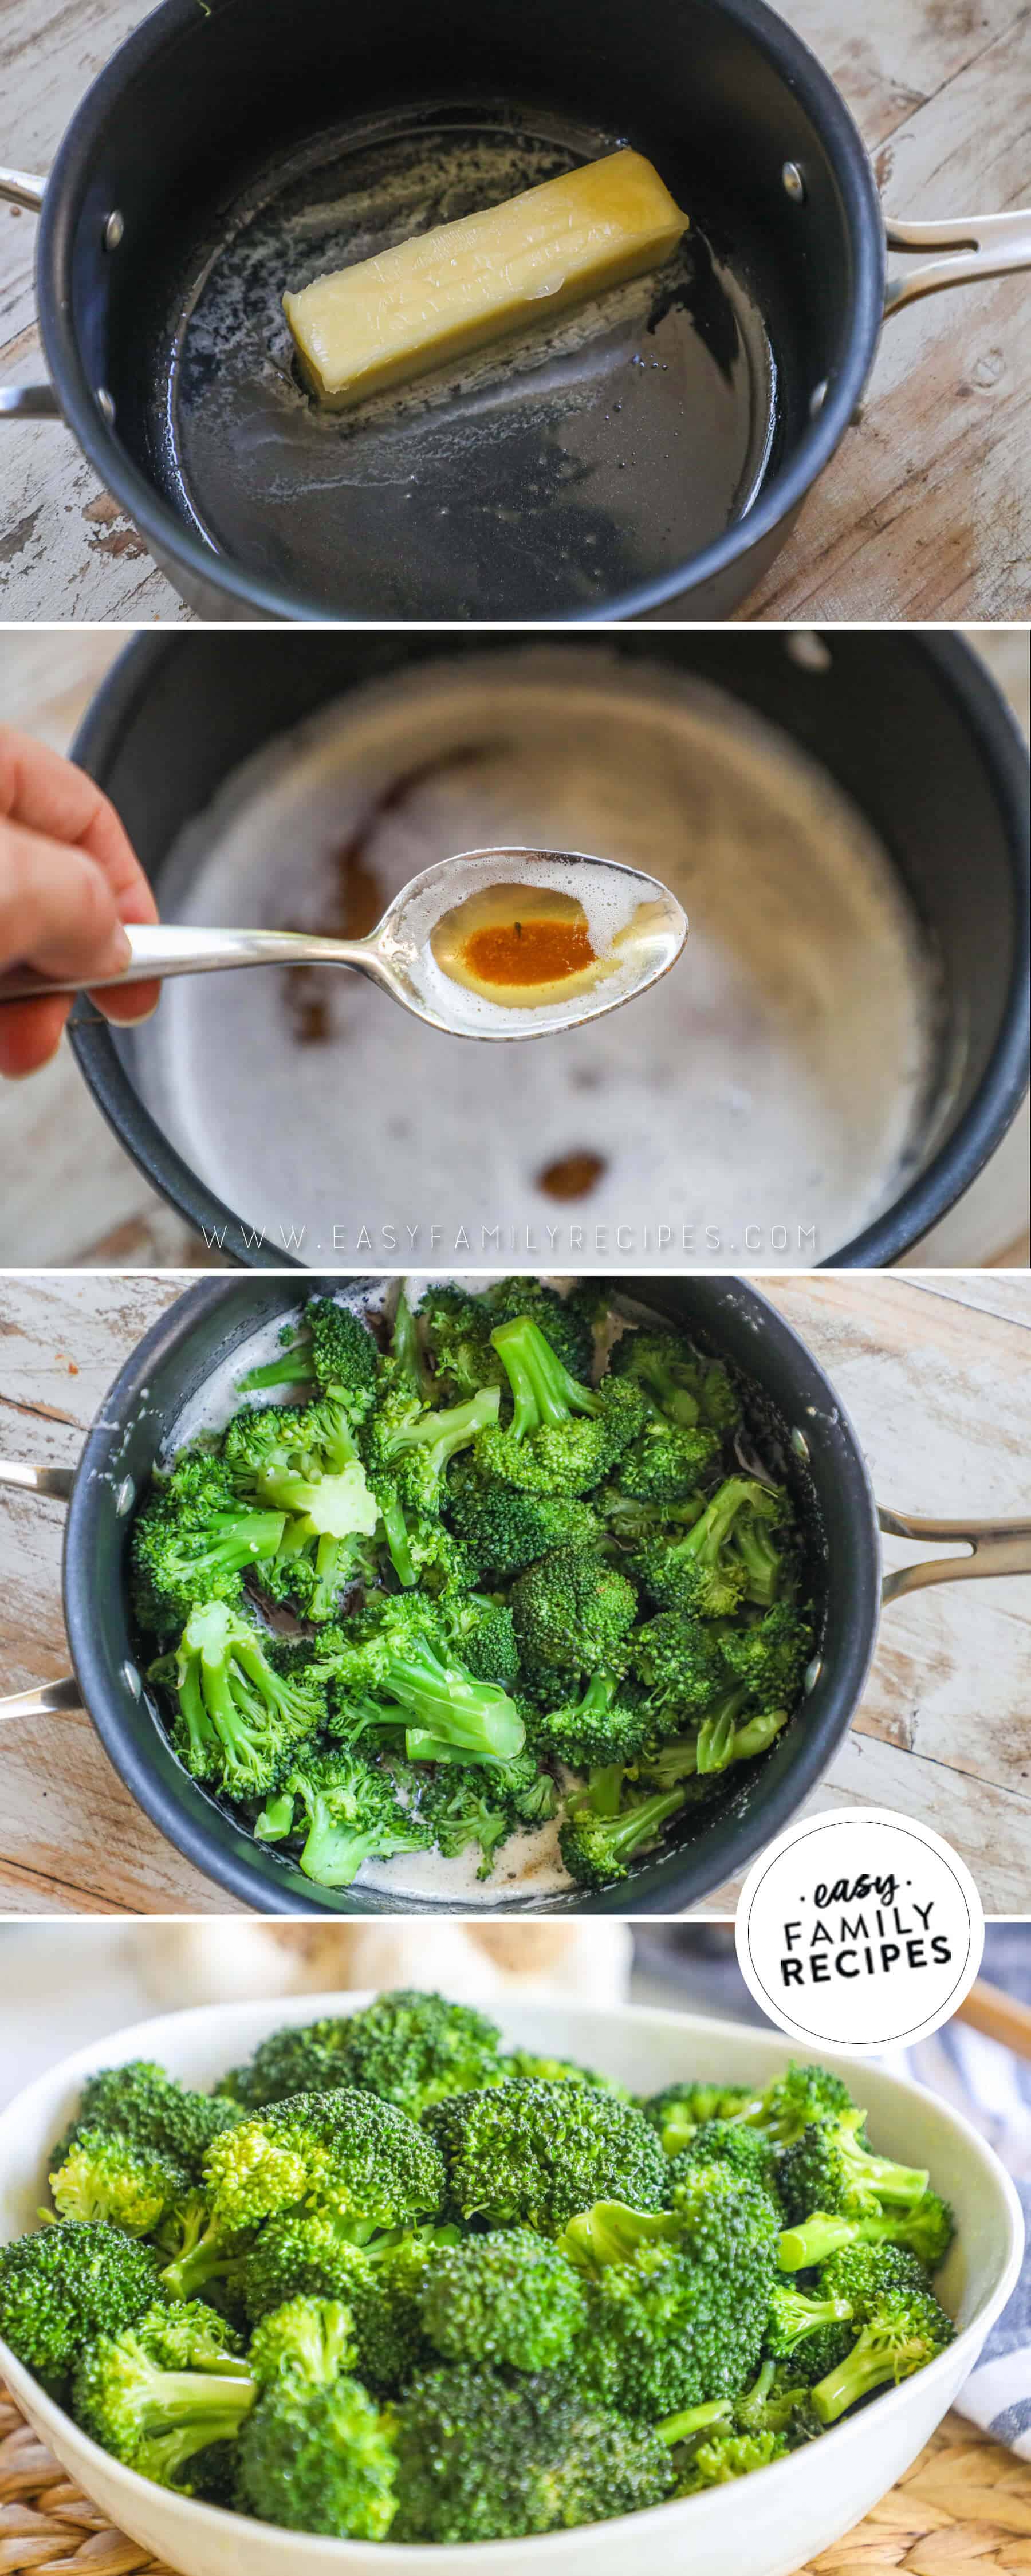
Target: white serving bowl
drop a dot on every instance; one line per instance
(789, 2511)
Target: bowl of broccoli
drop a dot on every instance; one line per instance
(360, 2281)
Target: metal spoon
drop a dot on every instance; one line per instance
(397, 957)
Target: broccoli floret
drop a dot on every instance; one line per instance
(727, 1736)
(771, 1655)
(414, 2049)
(456, 1328)
(446, 1714)
(105, 2175)
(664, 1465)
(680, 2110)
(306, 1464)
(408, 1367)
(600, 1848)
(926, 2231)
(316, 2453)
(508, 2297)
(67, 2283)
(194, 1541)
(409, 1445)
(564, 1437)
(829, 2167)
(310, 2057)
(481, 1633)
(342, 2151)
(677, 1381)
(904, 2330)
(679, 2322)
(679, 1665)
(697, 1571)
(350, 1814)
(301, 2253)
(747, 2151)
(531, 2154)
(794, 2100)
(723, 2456)
(605, 1725)
(481, 2458)
(862, 2273)
(164, 2389)
(572, 1616)
(236, 1716)
(504, 1529)
(807, 2336)
(560, 2070)
(567, 1323)
(332, 1348)
(152, 2110)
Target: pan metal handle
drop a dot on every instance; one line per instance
(49, 1699)
(57, 1482)
(25, 402)
(979, 247)
(996, 1547)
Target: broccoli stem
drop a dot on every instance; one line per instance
(295, 1367)
(694, 2419)
(449, 1430)
(404, 1347)
(395, 1531)
(816, 2238)
(643, 1822)
(872, 2361)
(446, 1707)
(542, 1390)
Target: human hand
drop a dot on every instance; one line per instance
(69, 878)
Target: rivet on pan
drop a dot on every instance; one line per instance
(807, 651)
(812, 1674)
(125, 1497)
(800, 1444)
(792, 181)
(818, 398)
(114, 230)
(105, 405)
(131, 1679)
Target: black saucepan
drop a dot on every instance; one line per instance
(909, 725)
(655, 465)
(793, 1412)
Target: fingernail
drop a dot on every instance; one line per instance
(120, 951)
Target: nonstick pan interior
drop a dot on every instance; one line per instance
(565, 474)
(799, 1427)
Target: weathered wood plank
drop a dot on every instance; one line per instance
(926, 511)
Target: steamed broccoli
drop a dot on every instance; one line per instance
(697, 1572)
(680, 2110)
(904, 2330)
(342, 2151)
(414, 2049)
(572, 1616)
(306, 1464)
(316, 2453)
(330, 1348)
(140, 2102)
(829, 2167)
(605, 1725)
(447, 1715)
(508, 2297)
(163, 2389)
(237, 1716)
(105, 2175)
(926, 2230)
(194, 1540)
(599, 1847)
(677, 2321)
(531, 2154)
(409, 1444)
(807, 2335)
(480, 2458)
(67, 2283)
(563, 1437)
(505, 1529)
(681, 1385)
(350, 1813)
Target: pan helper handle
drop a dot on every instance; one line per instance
(48, 1699)
(964, 253)
(25, 402)
(996, 1547)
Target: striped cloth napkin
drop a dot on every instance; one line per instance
(992, 2089)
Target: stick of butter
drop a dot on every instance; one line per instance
(390, 318)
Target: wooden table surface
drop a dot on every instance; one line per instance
(71, 1195)
(925, 512)
(937, 1378)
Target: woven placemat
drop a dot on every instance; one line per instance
(961, 2510)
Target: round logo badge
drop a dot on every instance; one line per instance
(859, 1931)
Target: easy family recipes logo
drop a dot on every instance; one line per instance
(863, 1926)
